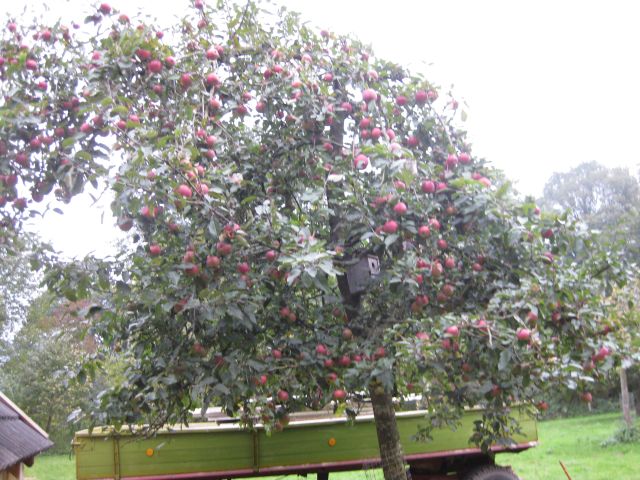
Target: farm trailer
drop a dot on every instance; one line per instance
(224, 450)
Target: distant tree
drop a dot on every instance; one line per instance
(39, 368)
(19, 280)
(607, 199)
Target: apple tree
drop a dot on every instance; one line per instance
(307, 225)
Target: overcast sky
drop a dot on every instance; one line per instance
(549, 83)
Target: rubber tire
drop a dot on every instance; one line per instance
(491, 472)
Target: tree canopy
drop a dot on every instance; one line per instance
(308, 224)
(607, 199)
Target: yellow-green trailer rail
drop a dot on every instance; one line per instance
(211, 451)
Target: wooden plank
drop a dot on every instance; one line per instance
(94, 457)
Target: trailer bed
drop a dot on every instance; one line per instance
(224, 450)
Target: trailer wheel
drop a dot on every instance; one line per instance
(491, 472)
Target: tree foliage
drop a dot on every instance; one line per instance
(257, 162)
(40, 364)
(607, 199)
(19, 280)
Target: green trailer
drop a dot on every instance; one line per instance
(216, 450)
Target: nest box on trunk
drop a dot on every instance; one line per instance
(360, 274)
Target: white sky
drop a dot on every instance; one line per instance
(549, 84)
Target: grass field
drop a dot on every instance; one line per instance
(575, 442)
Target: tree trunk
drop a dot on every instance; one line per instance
(388, 436)
(382, 402)
(624, 398)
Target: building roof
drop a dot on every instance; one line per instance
(20, 437)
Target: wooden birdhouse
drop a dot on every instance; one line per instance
(361, 273)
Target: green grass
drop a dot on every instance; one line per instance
(575, 442)
(52, 467)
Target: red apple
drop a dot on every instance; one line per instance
(271, 255)
(143, 54)
(421, 97)
(369, 95)
(213, 261)
(185, 80)
(447, 344)
(390, 227)
(184, 191)
(193, 271)
(344, 361)
(428, 186)
(212, 79)
(422, 300)
(243, 268)
(223, 248)
(328, 363)
(214, 104)
(400, 208)
(523, 334)
(542, 406)
(361, 161)
(339, 395)
(283, 395)
(347, 334)
(452, 330)
(155, 250)
(321, 349)
(436, 269)
(424, 231)
(482, 324)
(451, 161)
(125, 224)
(155, 66)
(412, 141)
